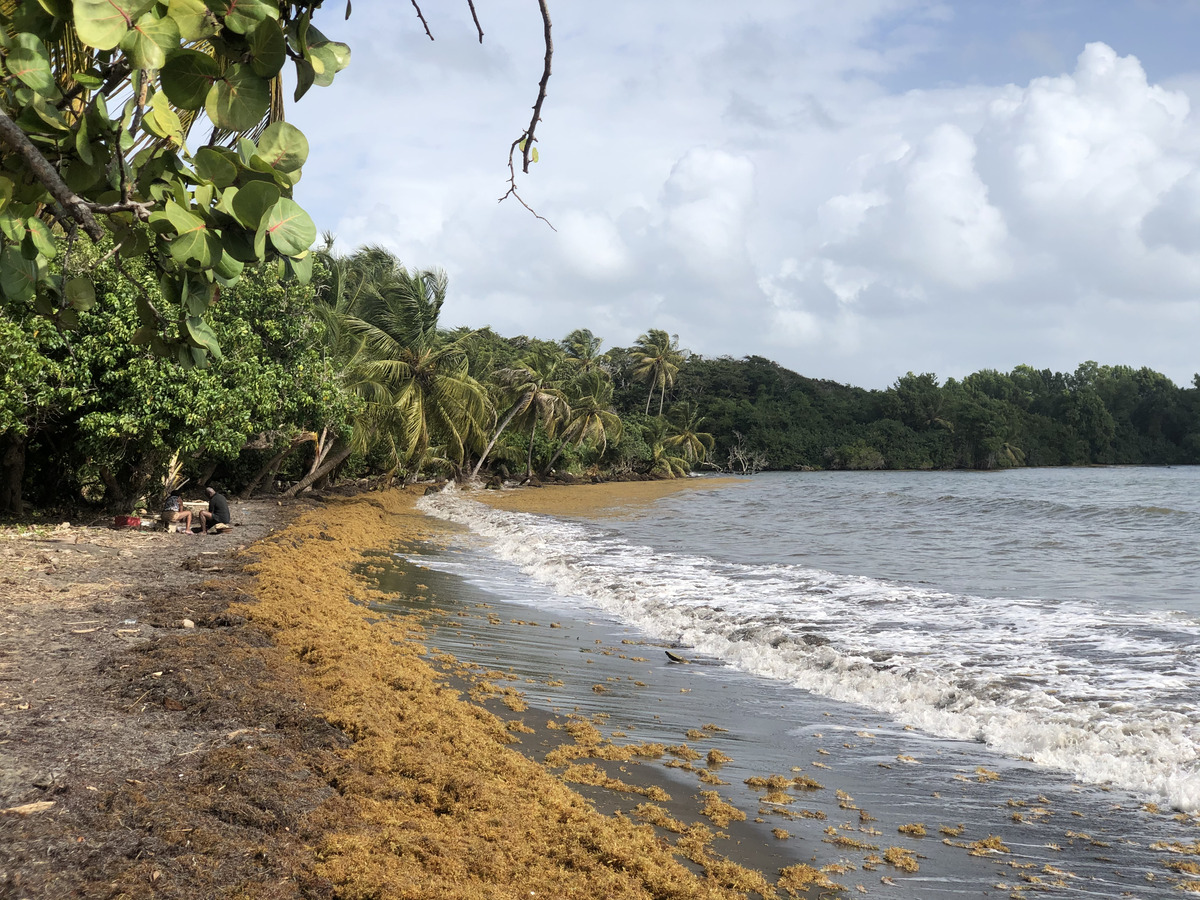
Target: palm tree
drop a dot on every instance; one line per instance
(656, 360)
(591, 417)
(410, 380)
(583, 350)
(686, 435)
(535, 396)
(410, 368)
(663, 462)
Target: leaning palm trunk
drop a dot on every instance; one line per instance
(334, 460)
(492, 443)
(557, 453)
(529, 458)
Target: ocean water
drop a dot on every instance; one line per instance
(1050, 617)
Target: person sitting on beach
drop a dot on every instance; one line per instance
(217, 512)
(175, 512)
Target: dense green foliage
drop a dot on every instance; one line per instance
(97, 102)
(1107, 415)
(352, 375)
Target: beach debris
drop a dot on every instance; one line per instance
(656, 815)
(594, 775)
(716, 757)
(915, 829)
(905, 758)
(26, 809)
(683, 751)
(719, 811)
(841, 840)
(781, 834)
(797, 879)
(676, 658)
(901, 858)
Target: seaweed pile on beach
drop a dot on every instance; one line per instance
(259, 736)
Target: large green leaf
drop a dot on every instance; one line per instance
(6, 192)
(253, 202)
(29, 61)
(41, 238)
(201, 334)
(290, 228)
(102, 23)
(213, 165)
(149, 41)
(284, 146)
(243, 15)
(18, 276)
(240, 244)
(267, 48)
(305, 74)
(194, 18)
(162, 121)
(238, 100)
(81, 293)
(193, 241)
(187, 77)
(227, 267)
(324, 63)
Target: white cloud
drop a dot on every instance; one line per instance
(745, 177)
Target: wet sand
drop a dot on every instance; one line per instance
(608, 499)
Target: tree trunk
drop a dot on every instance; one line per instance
(529, 459)
(492, 443)
(204, 479)
(12, 473)
(329, 465)
(272, 465)
(557, 453)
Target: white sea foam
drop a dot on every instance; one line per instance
(1106, 696)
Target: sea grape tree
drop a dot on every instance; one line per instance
(99, 102)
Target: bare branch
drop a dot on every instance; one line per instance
(421, 16)
(478, 27)
(527, 139)
(73, 205)
(512, 186)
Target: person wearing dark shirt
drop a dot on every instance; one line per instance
(217, 512)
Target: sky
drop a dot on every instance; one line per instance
(855, 190)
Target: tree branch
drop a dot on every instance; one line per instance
(526, 141)
(528, 137)
(421, 16)
(73, 205)
(478, 27)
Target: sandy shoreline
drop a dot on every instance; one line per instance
(609, 498)
(320, 748)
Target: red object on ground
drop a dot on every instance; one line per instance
(127, 522)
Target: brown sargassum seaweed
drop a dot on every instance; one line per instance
(429, 801)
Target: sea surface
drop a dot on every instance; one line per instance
(1042, 623)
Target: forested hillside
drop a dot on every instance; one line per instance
(352, 376)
